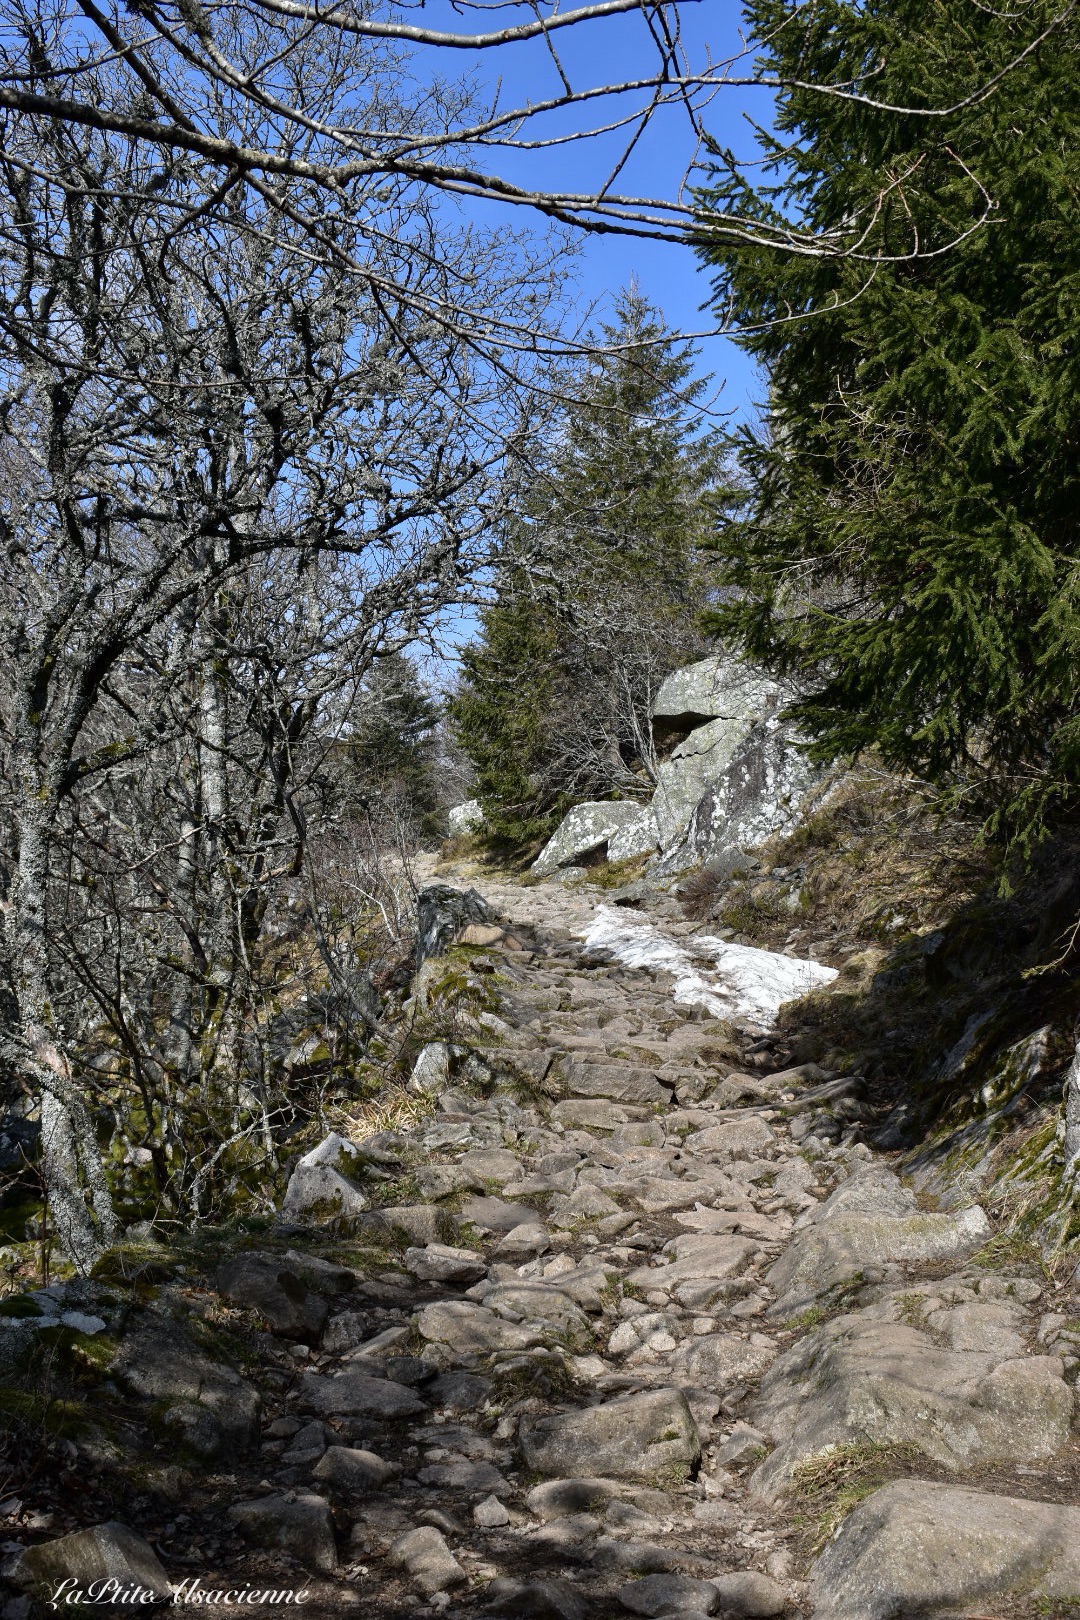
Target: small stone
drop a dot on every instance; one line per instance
(490, 1514)
(523, 1242)
(623, 1339)
(583, 1204)
(749, 1594)
(427, 1560)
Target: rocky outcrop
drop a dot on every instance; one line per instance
(735, 775)
(592, 828)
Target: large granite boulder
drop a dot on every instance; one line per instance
(740, 773)
(736, 774)
(93, 1558)
(465, 818)
(916, 1548)
(858, 1380)
(592, 827)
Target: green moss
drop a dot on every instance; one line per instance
(18, 1305)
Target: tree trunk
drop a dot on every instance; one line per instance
(1072, 1118)
(71, 1156)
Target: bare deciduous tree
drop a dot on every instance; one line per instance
(229, 483)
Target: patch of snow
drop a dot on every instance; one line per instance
(743, 981)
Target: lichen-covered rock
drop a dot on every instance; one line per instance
(321, 1188)
(431, 1071)
(916, 1548)
(711, 689)
(441, 914)
(589, 828)
(640, 837)
(650, 1437)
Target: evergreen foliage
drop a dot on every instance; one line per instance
(909, 548)
(390, 765)
(598, 587)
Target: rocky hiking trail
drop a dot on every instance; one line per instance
(630, 1323)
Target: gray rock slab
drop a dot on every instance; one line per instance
(459, 1391)
(491, 1514)
(272, 1286)
(535, 1600)
(472, 1331)
(463, 1474)
(421, 1223)
(156, 1359)
(716, 1361)
(350, 1393)
(109, 1551)
(666, 1594)
(649, 1437)
(859, 1379)
(698, 1255)
(533, 1302)
(748, 1592)
(734, 1139)
(618, 1082)
(349, 1468)
(437, 1262)
(299, 1525)
(594, 1113)
(712, 688)
(496, 1214)
(523, 1242)
(492, 1164)
(585, 1203)
(587, 828)
(916, 1548)
(831, 1253)
(323, 1186)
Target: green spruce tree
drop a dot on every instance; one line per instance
(909, 549)
(390, 750)
(599, 584)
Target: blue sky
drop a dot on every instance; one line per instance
(606, 51)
